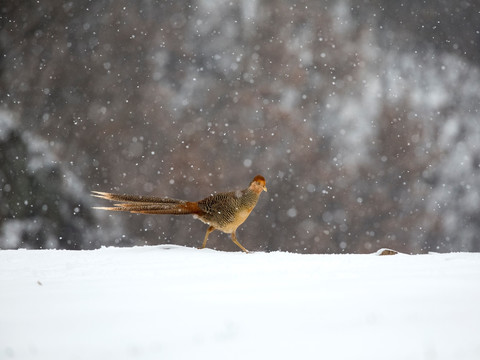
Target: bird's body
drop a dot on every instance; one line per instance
(222, 211)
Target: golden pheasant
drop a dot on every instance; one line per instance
(223, 211)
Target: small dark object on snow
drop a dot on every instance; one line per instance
(387, 252)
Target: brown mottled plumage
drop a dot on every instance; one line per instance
(222, 211)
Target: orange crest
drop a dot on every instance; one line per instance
(259, 179)
(258, 183)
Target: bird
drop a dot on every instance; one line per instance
(224, 211)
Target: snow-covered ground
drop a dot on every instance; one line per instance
(170, 302)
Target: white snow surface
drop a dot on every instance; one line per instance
(172, 302)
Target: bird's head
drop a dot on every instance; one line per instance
(258, 184)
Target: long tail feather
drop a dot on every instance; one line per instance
(135, 198)
(147, 204)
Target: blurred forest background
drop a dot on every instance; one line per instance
(363, 116)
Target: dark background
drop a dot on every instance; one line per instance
(363, 116)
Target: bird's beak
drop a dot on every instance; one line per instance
(265, 188)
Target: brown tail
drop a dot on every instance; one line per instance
(147, 204)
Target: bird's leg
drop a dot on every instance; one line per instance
(209, 230)
(234, 239)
